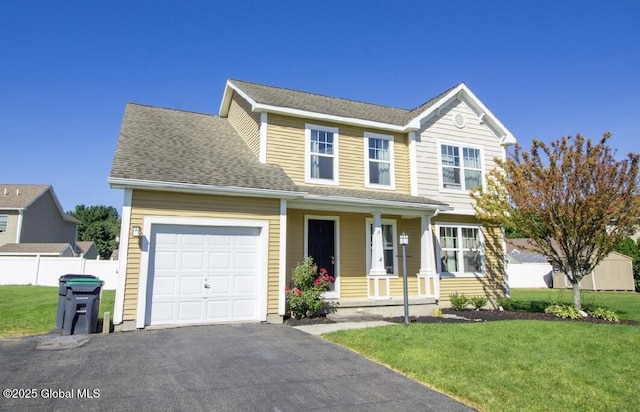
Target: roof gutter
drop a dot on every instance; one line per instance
(375, 202)
(120, 183)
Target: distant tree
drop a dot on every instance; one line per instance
(572, 192)
(100, 224)
(631, 248)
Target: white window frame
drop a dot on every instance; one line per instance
(308, 127)
(6, 223)
(462, 168)
(394, 229)
(367, 161)
(460, 250)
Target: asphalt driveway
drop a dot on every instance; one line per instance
(249, 367)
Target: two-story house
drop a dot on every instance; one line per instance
(219, 209)
(32, 214)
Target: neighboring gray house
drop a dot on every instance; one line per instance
(87, 249)
(33, 214)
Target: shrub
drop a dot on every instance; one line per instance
(458, 302)
(478, 302)
(305, 297)
(606, 314)
(506, 303)
(563, 311)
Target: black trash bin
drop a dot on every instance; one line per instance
(82, 305)
(62, 295)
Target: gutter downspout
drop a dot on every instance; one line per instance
(19, 228)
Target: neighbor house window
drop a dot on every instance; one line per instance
(460, 249)
(461, 167)
(3, 223)
(379, 160)
(389, 245)
(321, 154)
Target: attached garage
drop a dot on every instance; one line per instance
(203, 273)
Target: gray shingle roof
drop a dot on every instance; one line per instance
(369, 195)
(294, 99)
(48, 248)
(167, 145)
(19, 196)
(528, 257)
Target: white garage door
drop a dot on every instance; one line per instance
(203, 274)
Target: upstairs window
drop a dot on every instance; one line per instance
(460, 249)
(379, 160)
(461, 167)
(3, 223)
(321, 154)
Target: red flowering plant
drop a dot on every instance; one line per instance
(304, 299)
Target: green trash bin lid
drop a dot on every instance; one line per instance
(84, 284)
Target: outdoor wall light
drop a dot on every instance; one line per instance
(136, 231)
(404, 239)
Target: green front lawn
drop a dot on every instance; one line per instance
(513, 365)
(31, 310)
(625, 304)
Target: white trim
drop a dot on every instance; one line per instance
(123, 256)
(307, 155)
(461, 147)
(392, 178)
(263, 250)
(263, 137)
(282, 261)
(413, 163)
(459, 211)
(335, 294)
(394, 228)
(19, 228)
(460, 226)
(120, 183)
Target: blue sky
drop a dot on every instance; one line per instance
(544, 68)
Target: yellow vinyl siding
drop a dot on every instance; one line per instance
(246, 122)
(286, 147)
(152, 203)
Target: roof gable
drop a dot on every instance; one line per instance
(16, 197)
(265, 98)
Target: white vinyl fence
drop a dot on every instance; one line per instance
(529, 275)
(45, 270)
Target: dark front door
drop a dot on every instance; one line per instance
(321, 244)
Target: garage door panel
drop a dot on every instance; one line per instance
(244, 284)
(163, 312)
(219, 285)
(190, 310)
(164, 286)
(219, 260)
(187, 258)
(166, 260)
(191, 285)
(217, 310)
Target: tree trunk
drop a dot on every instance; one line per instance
(577, 302)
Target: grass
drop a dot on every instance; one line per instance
(625, 304)
(513, 365)
(31, 310)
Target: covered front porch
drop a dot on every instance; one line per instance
(359, 245)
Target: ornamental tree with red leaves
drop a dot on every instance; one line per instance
(572, 198)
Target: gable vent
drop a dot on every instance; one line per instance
(459, 120)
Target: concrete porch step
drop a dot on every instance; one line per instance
(354, 317)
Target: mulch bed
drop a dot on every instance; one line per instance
(468, 315)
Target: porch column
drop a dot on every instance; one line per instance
(428, 278)
(377, 251)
